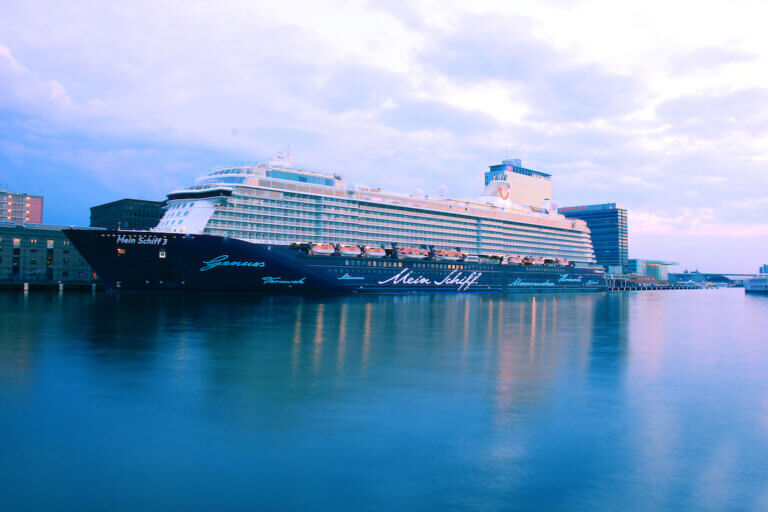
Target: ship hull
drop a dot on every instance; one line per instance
(148, 261)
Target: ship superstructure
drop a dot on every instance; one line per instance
(277, 204)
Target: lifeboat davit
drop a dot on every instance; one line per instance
(514, 260)
(374, 252)
(322, 249)
(448, 255)
(349, 250)
(412, 253)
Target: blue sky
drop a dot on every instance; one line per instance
(662, 107)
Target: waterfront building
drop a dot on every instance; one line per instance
(127, 214)
(39, 252)
(764, 269)
(608, 224)
(526, 186)
(20, 208)
(652, 268)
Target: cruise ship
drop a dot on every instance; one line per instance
(273, 228)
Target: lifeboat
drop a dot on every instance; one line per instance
(322, 249)
(514, 260)
(349, 250)
(448, 255)
(537, 261)
(412, 253)
(562, 262)
(374, 252)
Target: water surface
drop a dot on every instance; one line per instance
(609, 401)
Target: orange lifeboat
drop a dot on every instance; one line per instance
(537, 261)
(322, 249)
(448, 255)
(349, 250)
(412, 253)
(374, 252)
(514, 260)
(563, 262)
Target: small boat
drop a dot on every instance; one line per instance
(349, 250)
(412, 253)
(374, 252)
(562, 262)
(537, 261)
(448, 255)
(322, 249)
(514, 260)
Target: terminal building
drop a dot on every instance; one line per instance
(40, 253)
(608, 224)
(21, 208)
(526, 185)
(127, 214)
(649, 268)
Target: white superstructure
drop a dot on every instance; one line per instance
(277, 204)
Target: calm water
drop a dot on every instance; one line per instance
(649, 400)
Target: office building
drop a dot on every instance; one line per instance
(39, 252)
(127, 214)
(764, 269)
(608, 224)
(526, 186)
(20, 208)
(650, 268)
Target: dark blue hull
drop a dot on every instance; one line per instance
(142, 261)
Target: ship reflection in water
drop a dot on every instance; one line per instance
(500, 402)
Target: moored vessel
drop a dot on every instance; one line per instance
(757, 284)
(271, 228)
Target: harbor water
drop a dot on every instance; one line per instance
(559, 401)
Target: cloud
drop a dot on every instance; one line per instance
(713, 115)
(709, 59)
(411, 115)
(555, 87)
(23, 90)
(141, 98)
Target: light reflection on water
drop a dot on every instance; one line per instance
(499, 402)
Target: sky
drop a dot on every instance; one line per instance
(659, 106)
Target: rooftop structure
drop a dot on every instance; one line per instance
(526, 186)
(20, 208)
(610, 237)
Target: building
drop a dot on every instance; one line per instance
(608, 224)
(127, 214)
(39, 252)
(527, 186)
(764, 269)
(651, 268)
(21, 208)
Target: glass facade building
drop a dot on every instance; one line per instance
(608, 224)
